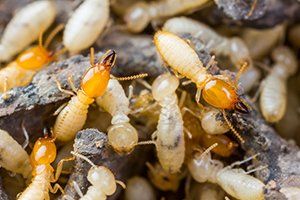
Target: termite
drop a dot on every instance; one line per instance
(206, 191)
(162, 179)
(43, 154)
(85, 25)
(9, 149)
(169, 136)
(93, 84)
(25, 27)
(273, 89)
(291, 193)
(140, 14)
(20, 72)
(121, 135)
(214, 89)
(235, 48)
(102, 179)
(235, 182)
(138, 187)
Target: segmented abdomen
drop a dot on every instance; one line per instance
(71, 119)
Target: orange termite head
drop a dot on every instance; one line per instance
(43, 154)
(222, 95)
(95, 80)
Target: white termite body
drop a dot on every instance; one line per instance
(121, 135)
(234, 47)
(72, 118)
(211, 124)
(169, 135)
(291, 193)
(39, 187)
(137, 188)
(86, 24)
(233, 181)
(25, 27)
(273, 96)
(13, 157)
(102, 179)
(140, 14)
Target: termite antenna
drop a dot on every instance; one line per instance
(26, 142)
(240, 72)
(239, 137)
(84, 158)
(208, 150)
(92, 57)
(121, 184)
(55, 31)
(41, 39)
(254, 4)
(128, 78)
(60, 52)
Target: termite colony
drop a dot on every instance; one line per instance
(185, 114)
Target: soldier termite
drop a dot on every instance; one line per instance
(235, 182)
(140, 14)
(138, 187)
(234, 47)
(10, 148)
(185, 61)
(273, 89)
(121, 135)
(86, 24)
(102, 179)
(162, 179)
(20, 72)
(25, 27)
(43, 154)
(93, 84)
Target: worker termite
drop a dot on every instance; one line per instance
(121, 135)
(20, 72)
(273, 88)
(235, 182)
(102, 179)
(185, 61)
(206, 191)
(43, 154)
(25, 27)
(138, 187)
(93, 84)
(162, 179)
(10, 148)
(211, 123)
(234, 47)
(169, 136)
(85, 25)
(140, 14)
(291, 193)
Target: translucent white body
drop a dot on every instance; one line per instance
(234, 48)
(234, 181)
(291, 193)
(137, 188)
(13, 157)
(273, 90)
(121, 135)
(206, 191)
(72, 118)
(25, 27)
(38, 189)
(141, 13)
(86, 24)
(211, 124)
(169, 135)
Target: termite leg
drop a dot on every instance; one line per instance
(197, 97)
(257, 93)
(121, 184)
(210, 62)
(26, 142)
(144, 83)
(237, 163)
(71, 82)
(77, 188)
(182, 99)
(256, 169)
(5, 95)
(130, 92)
(92, 57)
(59, 168)
(187, 132)
(239, 137)
(184, 83)
(61, 89)
(59, 109)
(55, 188)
